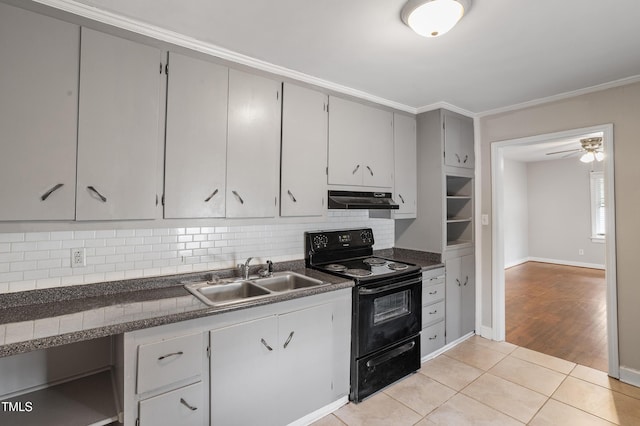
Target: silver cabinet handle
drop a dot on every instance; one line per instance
(434, 312)
(95, 191)
(458, 157)
(355, 170)
(434, 337)
(51, 191)
(401, 199)
(238, 197)
(291, 196)
(206, 200)
(186, 404)
(160, 358)
(459, 283)
(370, 171)
(433, 292)
(466, 280)
(265, 344)
(466, 157)
(288, 340)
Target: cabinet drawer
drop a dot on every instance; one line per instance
(169, 361)
(432, 338)
(432, 293)
(433, 276)
(432, 313)
(184, 406)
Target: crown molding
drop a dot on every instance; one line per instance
(178, 39)
(561, 96)
(445, 105)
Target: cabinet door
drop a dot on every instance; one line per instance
(377, 151)
(406, 174)
(117, 129)
(453, 300)
(253, 148)
(196, 138)
(38, 116)
(243, 373)
(184, 406)
(458, 140)
(305, 361)
(304, 152)
(468, 302)
(345, 142)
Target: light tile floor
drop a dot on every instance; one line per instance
(480, 382)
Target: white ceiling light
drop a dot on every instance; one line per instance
(432, 18)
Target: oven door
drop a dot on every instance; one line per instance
(387, 312)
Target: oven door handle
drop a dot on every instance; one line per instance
(376, 290)
(372, 363)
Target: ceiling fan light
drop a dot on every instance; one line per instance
(432, 18)
(599, 156)
(587, 157)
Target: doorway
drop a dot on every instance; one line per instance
(498, 150)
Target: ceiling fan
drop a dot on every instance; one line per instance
(590, 147)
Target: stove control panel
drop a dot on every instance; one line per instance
(322, 241)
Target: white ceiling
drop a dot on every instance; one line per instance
(502, 53)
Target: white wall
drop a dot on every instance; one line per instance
(560, 213)
(30, 260)
(516, 213)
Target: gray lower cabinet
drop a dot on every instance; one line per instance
(118, 128)
(281, 365)
(196, 138)
(461, 297)
(183, 406)
(38, 115)
(432, 336)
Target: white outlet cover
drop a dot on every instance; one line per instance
(78, 258)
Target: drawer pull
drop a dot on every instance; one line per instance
(434, 312)
(434, 337)
(160, 358)
(433, 292)
(186, 404)
(266, 345)
(288, 340)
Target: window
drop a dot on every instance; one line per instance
(597, 207)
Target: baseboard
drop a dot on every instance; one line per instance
(320, 413)
(486, 332)
(516, 263)
(445, 348)
(630, 376)
(567, 263)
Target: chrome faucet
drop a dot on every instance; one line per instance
(244, 269)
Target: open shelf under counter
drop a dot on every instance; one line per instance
(89, 400)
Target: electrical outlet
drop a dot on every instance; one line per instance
(581, 252)
(78, 258)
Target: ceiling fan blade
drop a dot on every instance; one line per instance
(560, 152)
(571, 154)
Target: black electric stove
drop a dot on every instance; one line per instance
(386, 314)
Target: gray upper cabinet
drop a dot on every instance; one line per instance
(253, 145)
(405, 184)
(196, 138)
(304, 152)
(360, 145)
(458, 140)
(118, 128)
(38, 116)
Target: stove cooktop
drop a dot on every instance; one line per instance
(366, 267)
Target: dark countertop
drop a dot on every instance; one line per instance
(423, 259)
(40, 319)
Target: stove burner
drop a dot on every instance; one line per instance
(374, 261)
(358, 272)
(397, 266)
(335, 267)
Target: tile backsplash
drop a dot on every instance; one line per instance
(34, 260)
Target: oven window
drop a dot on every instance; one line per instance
(391, 306)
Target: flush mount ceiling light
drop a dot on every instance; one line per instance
(432, 18)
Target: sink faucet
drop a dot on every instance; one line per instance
(244, 269)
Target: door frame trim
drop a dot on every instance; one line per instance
(497, 233)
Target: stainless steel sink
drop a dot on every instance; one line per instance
(287, 281)
(225, 294)
(221, 292)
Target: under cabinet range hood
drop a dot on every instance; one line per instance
(361, 200)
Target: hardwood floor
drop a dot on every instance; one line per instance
(558, 310)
